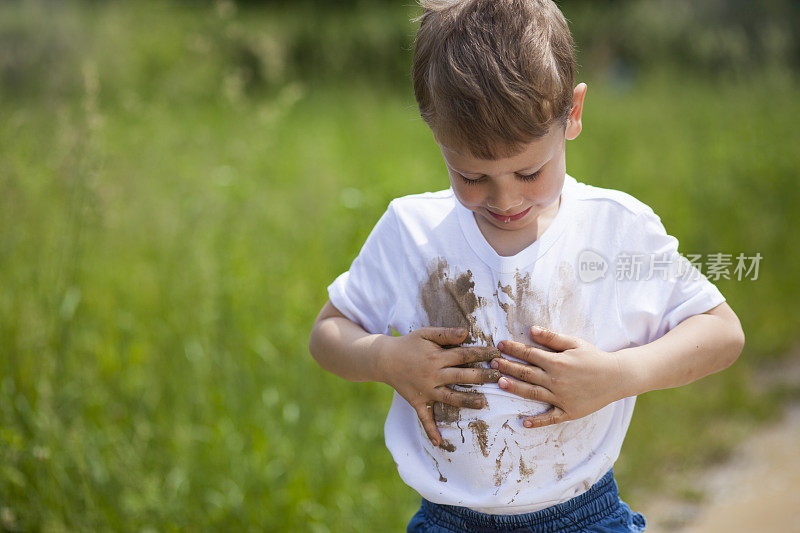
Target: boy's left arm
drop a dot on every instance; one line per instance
(578, 378)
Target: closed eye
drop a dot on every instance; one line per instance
(529, 177)
(523, 177)
(471, 181)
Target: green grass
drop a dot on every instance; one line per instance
(167, 234)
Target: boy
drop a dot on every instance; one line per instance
(529, 441)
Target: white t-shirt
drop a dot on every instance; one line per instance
(426, 263)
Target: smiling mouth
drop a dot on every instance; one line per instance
(509, 218)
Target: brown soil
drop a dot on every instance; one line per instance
(755, 490)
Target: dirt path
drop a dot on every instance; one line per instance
(757, 490)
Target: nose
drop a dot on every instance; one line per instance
(503, 202)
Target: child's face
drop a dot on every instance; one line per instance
(511, 193)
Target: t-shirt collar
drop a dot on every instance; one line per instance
(524, 258)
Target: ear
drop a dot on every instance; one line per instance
(574, 122)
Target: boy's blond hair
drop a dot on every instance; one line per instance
(492, 75)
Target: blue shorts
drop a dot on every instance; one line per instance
(599, 509)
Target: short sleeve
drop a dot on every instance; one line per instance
(366, 293)
(657, 287)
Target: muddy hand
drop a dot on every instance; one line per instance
(420, 365)
(576, 378)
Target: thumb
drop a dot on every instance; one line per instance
(443, 336)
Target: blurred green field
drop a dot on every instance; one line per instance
(169, 225)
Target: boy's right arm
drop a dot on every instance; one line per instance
(419, 365)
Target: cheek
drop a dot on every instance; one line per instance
(468, 194)
(551, 193)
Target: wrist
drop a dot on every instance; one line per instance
(383, 347)
(631, 375)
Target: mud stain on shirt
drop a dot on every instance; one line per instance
(444, 413)
(524, 470)
(567, 308)
(498, 474)
(436, 463)
(449, 415)
(559, 469)
(527, 306)
(558, 308)
(574, 429)
(447, 446)
(448, 298)
(449, 301)
(479, 428)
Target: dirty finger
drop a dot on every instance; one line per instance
(452, 376)
(471, 354)
(425, 414)
(470, 400)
